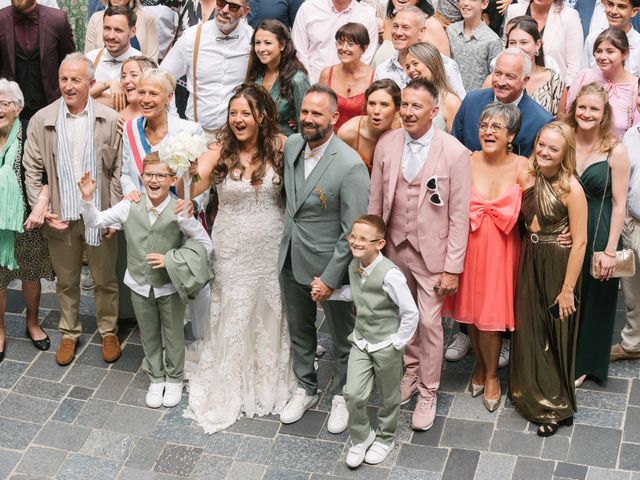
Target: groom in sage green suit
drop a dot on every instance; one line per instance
(327, 188)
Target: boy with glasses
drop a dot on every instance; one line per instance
(167, 262)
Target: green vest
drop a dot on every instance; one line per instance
(377, 316)
(143, 238)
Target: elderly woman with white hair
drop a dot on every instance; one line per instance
(145, 39)
(23, 250)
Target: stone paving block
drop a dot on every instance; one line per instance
(85, 376)
(527, 468)
(516, 443)
(363, 472)
(95, 413)
(284, 474)
(20, 350)
(432, 436)
(555, 448)
(44, 462)
(136, 421)
(245, 471)
(130, 360)
(116, 446)
(134, 397)
(308, 426)
(594, 446)
(223, 444)
(418, 457)
(454, 382)
(614, 385)
(41, 388)
(135, 474)
(255, 450)
(113, 385)
(210, 467)
(8, 461)
(15, 302)
(84, 467)
(495, 466)
(145, 453)
(3, 393)
(595, 473)
(510, 419)
(599, 418)
(16, 434)
(10, 372)
(408, 474)
(634, 396)
(632, 425)
(599, 399)
(626, 369)
(92, 356)
(461, 464)
(178, 460)
(256, 427)
(629, 457)
(304, 454)
(570, 470)
(180, 434)
(466, 434)
(468, 408)
(29, 409)
(62, 435)
(140, 381)
(81, 393)
(175, 415)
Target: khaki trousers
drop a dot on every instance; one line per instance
(384, 367)
(631, 288)
(65, 251)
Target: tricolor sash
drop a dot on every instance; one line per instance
(140, 148)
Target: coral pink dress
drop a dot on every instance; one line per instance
(486, 291)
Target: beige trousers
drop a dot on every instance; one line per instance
(631, 288)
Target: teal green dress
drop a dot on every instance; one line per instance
(299, 87)
(598, 309)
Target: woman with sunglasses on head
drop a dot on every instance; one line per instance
(485, 297)
(351, 77)
(541, 368)
(424, 60)
(273, 63)
(361, 133)
(603, 170)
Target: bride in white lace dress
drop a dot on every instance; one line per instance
(244, 364)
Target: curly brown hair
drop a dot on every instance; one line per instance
(268, 144)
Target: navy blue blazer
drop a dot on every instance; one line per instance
(465, 125)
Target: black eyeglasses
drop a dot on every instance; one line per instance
(161, 177)
(233, 7)
(434, 198)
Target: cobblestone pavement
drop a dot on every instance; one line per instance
(89, 421)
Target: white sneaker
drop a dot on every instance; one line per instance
(339, 416)
(154, 395)
(505, 351)
(172, 394)
(356, 454)
(458, 348)
(299, 403)
(377, 453)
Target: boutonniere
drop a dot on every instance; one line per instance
(321, 197)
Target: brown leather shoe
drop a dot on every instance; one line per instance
(110, 348)
(66, 351)
(619, 353)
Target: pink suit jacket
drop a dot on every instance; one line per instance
(442, 231)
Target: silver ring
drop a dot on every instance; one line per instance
(534, 238)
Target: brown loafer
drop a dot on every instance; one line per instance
(619, 353)
(111, 348)
(66, 351)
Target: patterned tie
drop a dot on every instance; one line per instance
(412, 165)
(361, 271)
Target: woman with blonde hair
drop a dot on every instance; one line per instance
(603, 169)
(541, 368)
(130, 73)
(145, 39)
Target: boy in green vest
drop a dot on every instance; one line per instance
(386, 319)
(167, 262)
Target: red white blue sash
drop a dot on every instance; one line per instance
(140, 148)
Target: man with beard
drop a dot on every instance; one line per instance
(34, 40)
(327, 187)
(214, 57)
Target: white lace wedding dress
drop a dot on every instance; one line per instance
(244, 364)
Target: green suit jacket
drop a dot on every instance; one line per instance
(321, 209)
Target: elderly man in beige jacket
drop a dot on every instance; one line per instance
(68, 137)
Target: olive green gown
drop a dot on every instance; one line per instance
(541, 368)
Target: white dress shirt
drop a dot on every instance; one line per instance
(119, 213)
(76, 138)
(395, 285)
(109, 67)
(221, 67)
(633, 61)
(312, 156)
(315, 27)
(424, 140)
(631, 141)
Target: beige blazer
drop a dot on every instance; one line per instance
(41, 148)
(146, 33)
(442, 231)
